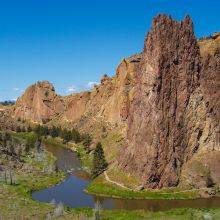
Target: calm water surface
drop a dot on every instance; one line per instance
(70, 191)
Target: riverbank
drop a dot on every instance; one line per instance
(37, 172)
(16, 202)
(85, 157)
(34, 171)
(116, 184)
(176, 214)
(101, 187)
(106, 187)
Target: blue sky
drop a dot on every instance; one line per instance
(73, 43)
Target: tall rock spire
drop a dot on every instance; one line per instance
(158, 120)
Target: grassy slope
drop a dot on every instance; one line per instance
(178, 214)
(101, 187)
(209, 45)
(15, 200)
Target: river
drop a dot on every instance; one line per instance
(71, 191)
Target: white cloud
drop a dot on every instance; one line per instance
(18, 89)
(90, 85)
(71, 89)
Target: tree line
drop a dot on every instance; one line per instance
(6, 103)
(67, 135)
(33, 139)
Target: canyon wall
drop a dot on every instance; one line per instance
(164, 102)
(107, 102)
(171, 119)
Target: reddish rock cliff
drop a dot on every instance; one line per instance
(167, 117)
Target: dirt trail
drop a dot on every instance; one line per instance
(122, 186)
(116, 183)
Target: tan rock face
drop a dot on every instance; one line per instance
(76, 106)
(106, 106)
(108, 102)
(39, 103)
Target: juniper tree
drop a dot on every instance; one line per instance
(99, 162)
(54, 132)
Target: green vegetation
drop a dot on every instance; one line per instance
(54, 141)
(66, 135)
(35, 171)
(112, 144)
(125, 179)
(104, 188)
(99, 162)
(176, 214)
(7, 103)
(86, 157)
(86, 141)
(57, 132)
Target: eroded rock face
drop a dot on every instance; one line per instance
(108, 101)
(39, 103)
(202, 169)
(166, 118)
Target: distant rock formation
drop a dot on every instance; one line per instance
(108, 101)
(39, 103)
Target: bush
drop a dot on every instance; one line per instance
(86, 140)
(41, 130)
(54, 132)
(30, 142)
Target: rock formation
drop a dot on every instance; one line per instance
(170, 120)
(39, 103)
(163, 102)
(107, 102)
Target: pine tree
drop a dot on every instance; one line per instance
(99, 162)
(75, 135)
